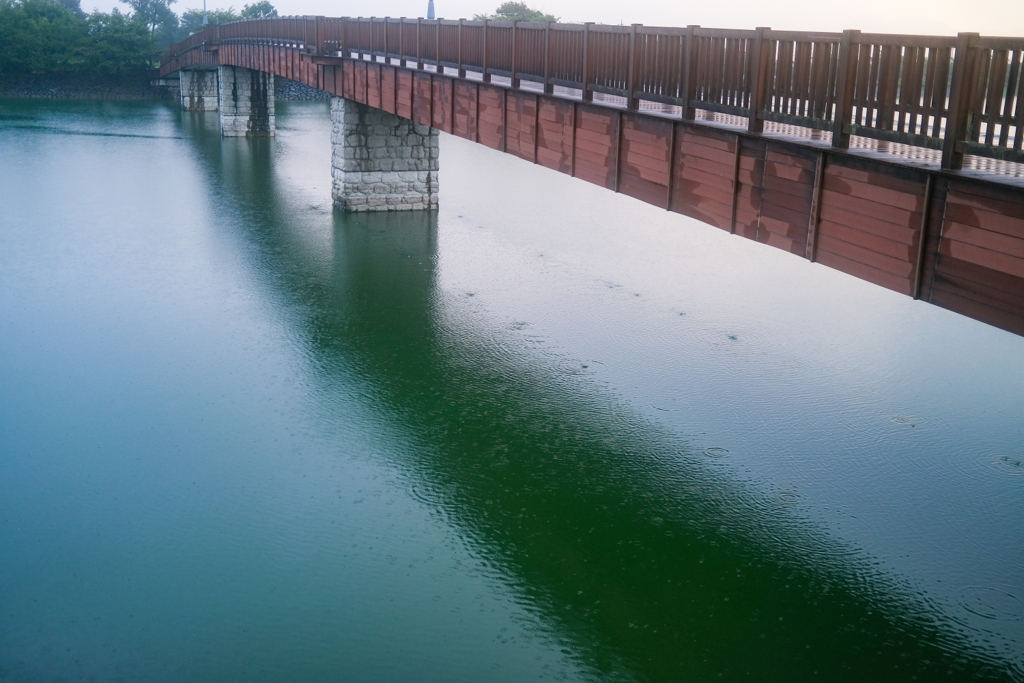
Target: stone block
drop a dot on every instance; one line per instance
(380, 161)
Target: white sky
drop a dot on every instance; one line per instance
(937, 17)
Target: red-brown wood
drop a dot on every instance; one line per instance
(868, 213)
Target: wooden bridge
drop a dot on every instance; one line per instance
(897, 159)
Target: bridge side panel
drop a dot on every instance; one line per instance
(555, 134)
(870, 224)
(706, 166)
(521, 124)
(464, 122)
(490, 116)
(646, 150)
(388, 85)
(786, 196)
(978, 267)
(595, 146)
(422, 98)
(405, 84)
(750, 186)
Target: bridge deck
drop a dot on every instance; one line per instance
(878, 210)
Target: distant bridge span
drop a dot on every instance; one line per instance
(896, 159)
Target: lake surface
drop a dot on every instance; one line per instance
(546, 433)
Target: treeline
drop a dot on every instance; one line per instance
(56, 38)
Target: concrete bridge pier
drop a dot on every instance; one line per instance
(246, 102)
(379, 161)
(199, 91)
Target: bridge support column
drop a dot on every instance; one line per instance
(246, 102)
(198, 90)
(379, 161)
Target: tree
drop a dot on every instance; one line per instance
(191, 20)
(515, 11)
(117, 45)
(74, 5)
(155, 13)
(48, 38)
(38, 37)
(259, 10)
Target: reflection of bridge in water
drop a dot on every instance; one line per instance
(896, 159)
(650, 564)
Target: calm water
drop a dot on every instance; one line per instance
(547, 433)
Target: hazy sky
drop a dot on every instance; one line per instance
(941, 17)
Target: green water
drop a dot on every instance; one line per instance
(547, 433)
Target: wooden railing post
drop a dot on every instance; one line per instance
(485, 61)
(401, 42)
(437, 47)
(462, 69)
(419, 43)
(756, 79)
(320, 24)
(845, 82)
(515, 54)
(961, 93)
(588, 59)
(387, 58)
(631, 101)
(688, 64)
(548, 88)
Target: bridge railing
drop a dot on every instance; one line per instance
(960, 95)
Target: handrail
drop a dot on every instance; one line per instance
(962, 95)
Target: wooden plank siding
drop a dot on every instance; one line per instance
(954, 241)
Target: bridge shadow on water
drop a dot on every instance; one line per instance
(647, 561)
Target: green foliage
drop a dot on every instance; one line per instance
(156, 14)
(259, 10)
(38, 37)
(54, 37)
(192, 20)
(117, 45)
(43, 37)
(515, 11)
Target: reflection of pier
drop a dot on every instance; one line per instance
(896, 159)
(648, 564)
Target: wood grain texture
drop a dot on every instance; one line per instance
(868, 215)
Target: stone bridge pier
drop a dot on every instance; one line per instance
(379, 161)
(244, 98)
(199, 90)
(246, 102)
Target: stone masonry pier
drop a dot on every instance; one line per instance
(199, 91)
(246, 102)
(380, 161)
